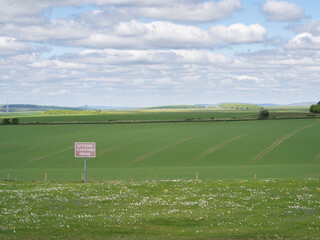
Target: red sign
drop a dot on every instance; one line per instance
(85, 149)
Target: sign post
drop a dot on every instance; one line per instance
(85, 170)
(86, 150)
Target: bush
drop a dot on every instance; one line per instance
(6, 121)
(15, 121)
(264, 114)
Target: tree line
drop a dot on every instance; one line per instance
(315, 108)
(8, 121)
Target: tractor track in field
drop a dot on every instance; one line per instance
(316, 160)
(7, 145)
(119, 146)
(48, 155)
(32, 148)
(214, 148)
(276, 143)
(144, 156)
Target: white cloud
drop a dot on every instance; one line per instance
(282, 11)
(202, 74)
(140, 35)
(177, 56)
(30, 11)
(304, 41)
(246, 78)
(135, 34)
(165, 34)
(9, 46)
(239, 33)
(57, 64)
(51, 31)
(193, 12)
(312, 27)
(201, 57)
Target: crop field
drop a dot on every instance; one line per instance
(150, 115)
(225, 209)
(157, 115)
(216, 150)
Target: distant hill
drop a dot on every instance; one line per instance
(31, 107)
(176, 107)
(108, 107)
(269, 105)
(243, 106)
(302, 104)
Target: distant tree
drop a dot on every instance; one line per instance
(6, 121)
(315, 108)
(264, 114)
(15, 121)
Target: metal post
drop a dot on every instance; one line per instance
(85, 170)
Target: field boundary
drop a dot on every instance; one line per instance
(161, 121)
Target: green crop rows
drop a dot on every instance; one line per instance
(216, 150)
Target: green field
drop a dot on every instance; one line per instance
(158, 115)
(216, 150)
(164, 201)
(150, 115)
(233, 209)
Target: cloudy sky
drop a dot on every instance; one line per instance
(159, 52)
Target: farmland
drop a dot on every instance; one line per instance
(257, 178)
(147, 115)
(217, 150)
(143, 115)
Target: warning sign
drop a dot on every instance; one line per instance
(85, 149)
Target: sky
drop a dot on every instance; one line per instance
(140, 53)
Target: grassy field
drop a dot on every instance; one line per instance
(242, 209)
(164, 201)
(147, 115)
(160, 115)
(216, 150)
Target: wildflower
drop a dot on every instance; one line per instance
(166, 190)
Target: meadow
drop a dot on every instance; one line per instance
(224, 209)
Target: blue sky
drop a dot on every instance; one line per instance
(147, 52)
